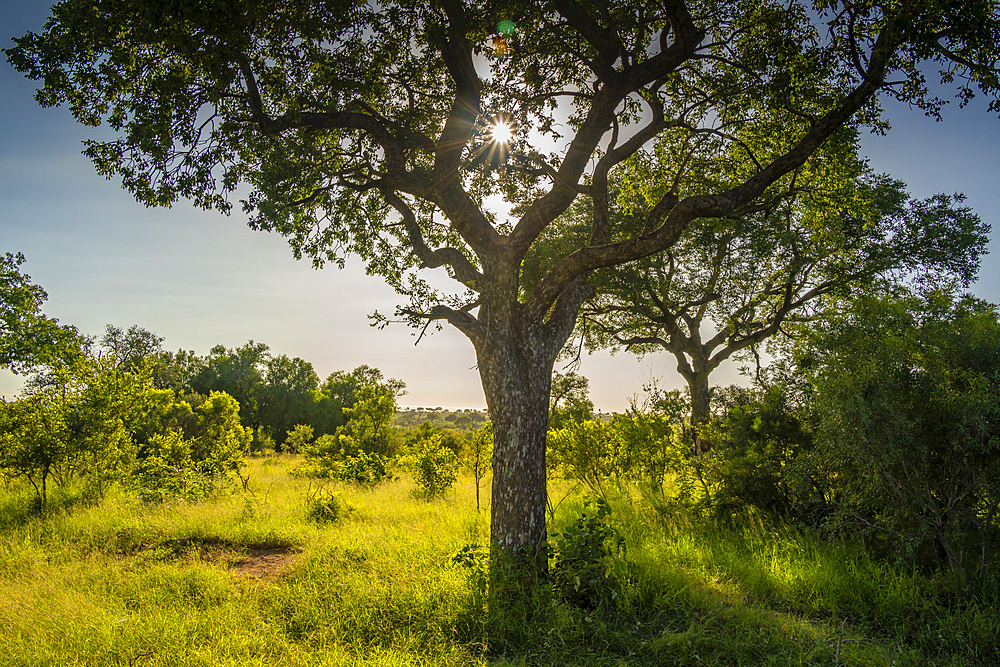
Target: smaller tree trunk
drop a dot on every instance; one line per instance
(701, 410)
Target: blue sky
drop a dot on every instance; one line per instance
(201, 279)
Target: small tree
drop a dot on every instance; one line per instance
(369, 426)
(434, 466)
(478, 455)
(648, 437)
(32, 441)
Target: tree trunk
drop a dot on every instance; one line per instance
(516, 371)
(516, 379)
(701, 409)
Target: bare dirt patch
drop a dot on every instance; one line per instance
(258, 561)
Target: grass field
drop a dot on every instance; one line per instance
(249, 579)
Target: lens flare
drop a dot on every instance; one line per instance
(500, 46)
(501, 132)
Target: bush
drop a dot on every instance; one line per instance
(167, 471)
(324, 506)
(909, 425)
(367, 470)
(325, 460)
(435, 468)
(582, 451)
(172, 465)
(587, 559)
(761, 452)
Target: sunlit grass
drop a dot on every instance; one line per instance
(124, 583)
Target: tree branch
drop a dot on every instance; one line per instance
(465, 271)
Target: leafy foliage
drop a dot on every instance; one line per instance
(587, 558)
(762, 455)
(76, 420)
(583, 451)
(299, 438)
(909, 422)
(195, 463)
(27, 337)
(434, 466)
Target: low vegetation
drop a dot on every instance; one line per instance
(265, 577)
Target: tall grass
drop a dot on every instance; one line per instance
(122, 583)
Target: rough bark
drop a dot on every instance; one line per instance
(516, 381)
(515, 364)
(701, 406)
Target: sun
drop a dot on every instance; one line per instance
(501, 132)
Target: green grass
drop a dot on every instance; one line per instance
(122, 583)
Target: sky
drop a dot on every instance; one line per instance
(201, 279)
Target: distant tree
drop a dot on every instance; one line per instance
(130, 349)
(569, 399)
(27, 337)
(288, 396)
(177, 370)
(728, 285)
(240, 373)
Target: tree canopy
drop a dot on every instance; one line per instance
(730, 284)
(27, 337)
(366, 128)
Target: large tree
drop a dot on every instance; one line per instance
(728, 285)
(365, 128)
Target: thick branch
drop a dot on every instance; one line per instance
(465, 109)
(600, 117)
(461, 320)
(715, 206)
(464, 270)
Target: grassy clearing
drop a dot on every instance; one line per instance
(247, 579)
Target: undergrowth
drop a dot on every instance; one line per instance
(396, 580)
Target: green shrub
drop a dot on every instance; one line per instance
(435, 468)
(192, 465)
(367, 470)
(363, 469)
(761, 453)
(167, 471)
(587, 561)
(324, 506)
